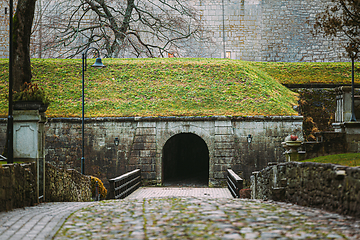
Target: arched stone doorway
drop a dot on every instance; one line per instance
(185, 160)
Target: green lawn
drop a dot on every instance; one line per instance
(157, 87)
(176, 86)
(346, 159)
(5, 162)
(309, 73)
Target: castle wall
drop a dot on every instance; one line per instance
(252, 30)
(142, 141)
(4, 29)
(287, 33)
(268, 30)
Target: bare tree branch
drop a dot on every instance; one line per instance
(132, 28)
(341, 18)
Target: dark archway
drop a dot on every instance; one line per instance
(185, 160)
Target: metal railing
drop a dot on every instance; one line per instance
(235, 183)
(124, 185)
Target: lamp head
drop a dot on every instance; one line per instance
(352, 50)
(116, 141)
(98, 63)
(249, 138)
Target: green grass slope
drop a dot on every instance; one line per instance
(157, 87)
(310, 73)
(345, 159)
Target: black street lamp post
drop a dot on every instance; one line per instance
(97, 64)
(10, 130)
(353, 118)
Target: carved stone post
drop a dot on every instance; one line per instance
(29, 141)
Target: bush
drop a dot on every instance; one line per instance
(31, 92)
(245, 193)
(102, 190)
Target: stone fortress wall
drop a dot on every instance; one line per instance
(252, 30)
(269, 30)
(4, 29)
(143, 141)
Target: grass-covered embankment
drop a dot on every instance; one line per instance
(346, 159)
(157, 87)
(310, 73)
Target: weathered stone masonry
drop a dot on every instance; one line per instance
(18, 185)
(142, 141)
(252, 30)
(327, 186)
(268, 30)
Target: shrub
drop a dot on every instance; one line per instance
(245, 193)
(31, 92)
(102, 190)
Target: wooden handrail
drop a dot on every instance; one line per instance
(234, 182)
(124, 185)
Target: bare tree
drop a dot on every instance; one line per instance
(132, 28)
(341, 18)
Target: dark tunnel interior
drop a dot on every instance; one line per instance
(185, 161)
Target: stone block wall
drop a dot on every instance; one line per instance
(142, 142)
(252, 30)
(18, 185)
(267, 30)
(327, 186)
(63, 185)
(328, 143)
(3, 130)
(287, 33)
(102, 158)
(4, 29)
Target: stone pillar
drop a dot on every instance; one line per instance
(352, 131)
(224, 150)
(291, 146)
(29, 143)
(253, 187)
(343, 104)
(343, 108)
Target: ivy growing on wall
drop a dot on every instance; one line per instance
(318, 107)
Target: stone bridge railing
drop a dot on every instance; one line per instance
(327, 186)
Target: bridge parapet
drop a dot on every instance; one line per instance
(332, 187)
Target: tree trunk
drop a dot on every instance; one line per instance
(23, 21)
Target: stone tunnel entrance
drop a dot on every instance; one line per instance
(185, 161)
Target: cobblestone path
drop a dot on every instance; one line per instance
(205, 218)
(37, 222)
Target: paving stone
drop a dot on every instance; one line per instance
(36, 222)
(179, 218)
